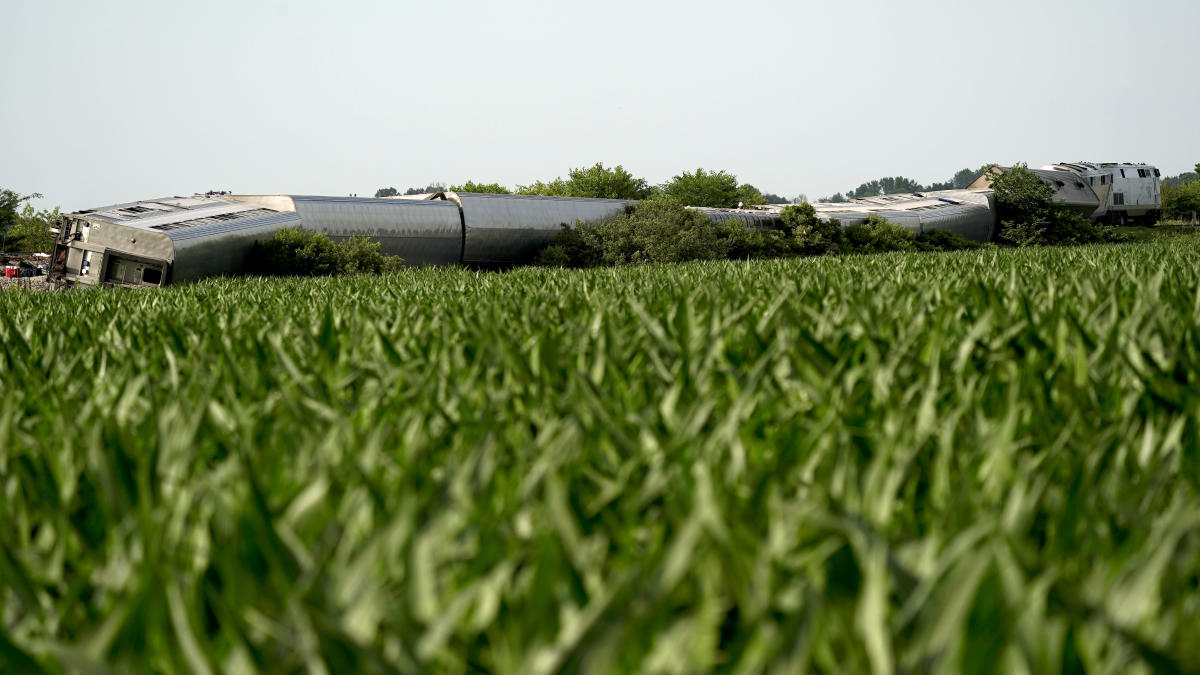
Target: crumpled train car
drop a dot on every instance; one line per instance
(157, 241)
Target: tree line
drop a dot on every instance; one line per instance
(891, 185)
(701, 187)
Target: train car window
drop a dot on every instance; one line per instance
(1118, 199)
(151, 275)
(1156, 173)
(1122, 173)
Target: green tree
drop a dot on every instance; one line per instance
(428, 189)
(604, 183)
(771, 198)
(386, 192)
(885, 186)
(555, 188)
(31, 232)
(711, 188)
(1181, 201)
(9, 216)
(488, 188)
(596, 181)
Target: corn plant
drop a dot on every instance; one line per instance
(982, 461)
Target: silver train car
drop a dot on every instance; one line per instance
(157, 241)
(970, 213)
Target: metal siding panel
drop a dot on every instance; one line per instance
(502, 229)
(420, 232)
(216, 251)
(971, 221)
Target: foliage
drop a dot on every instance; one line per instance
(743, 242)
(770, 198)
(978, 461)
(293, 251)
(9, 216)
(486, 188)
(941, 240)
(1181, 179)
(809, 235)
(1180, 201)
(596, 181)
(885, 186)
(711, 188)
(31, 231)
(428, 189)
(1028, 216)
(878, 235)
(837, 198)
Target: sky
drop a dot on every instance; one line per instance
(115, 101)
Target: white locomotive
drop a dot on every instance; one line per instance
(1128, 193)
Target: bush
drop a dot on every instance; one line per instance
(878, 235)
(743, 242)
(654, 230)
(295, 252)
(809, 235)
(941, 240)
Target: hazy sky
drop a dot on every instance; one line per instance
(124, 100)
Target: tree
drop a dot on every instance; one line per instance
(1181, 201)
(488, 188)
(603, 183)
(427, 190)
(885, 186)
(555, 188)
(837, 198)
(711, 188)
(772, 198)
(386, 192)
(1198, 168)
(596, 181)
(9, 201)
(31, 232)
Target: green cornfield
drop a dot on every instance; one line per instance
(978, 461)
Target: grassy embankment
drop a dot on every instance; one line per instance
(867, 463)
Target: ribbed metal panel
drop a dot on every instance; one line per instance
(503, 229)
(972, 221)
(420, 232)
(222, 249)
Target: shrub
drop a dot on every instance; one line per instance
(941, 240)
(742, 241)
(877, 235)
(296, 252)
(654, 230)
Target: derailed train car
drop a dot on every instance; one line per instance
(155, 242)
(967, 213)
